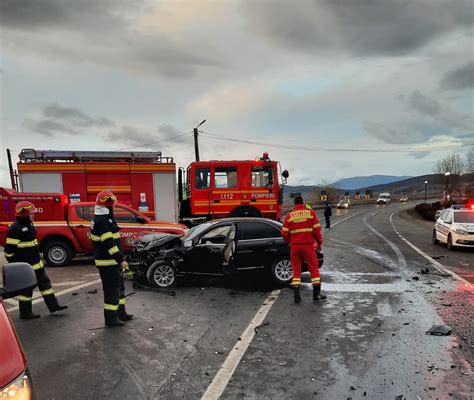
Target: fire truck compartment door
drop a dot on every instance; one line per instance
(41, 183)
(166, 202)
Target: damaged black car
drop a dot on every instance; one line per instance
(219, 247)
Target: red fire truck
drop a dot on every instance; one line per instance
(145, 181)
(215, 189)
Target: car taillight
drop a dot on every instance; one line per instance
(20, 389)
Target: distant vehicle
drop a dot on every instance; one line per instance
(384, 198)
(455, 227)
(403, 199)
(63, 228)
(15, 380)
(161, 258)
(343, 203)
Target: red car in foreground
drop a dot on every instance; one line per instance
(15, 380)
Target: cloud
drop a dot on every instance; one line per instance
(424, 104)
(459, 78)
(55, 119)
(360, 28)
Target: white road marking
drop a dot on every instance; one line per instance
(61, 292)
(384, 309)
(349, 217)
(440, 267)
(223, 376)
(362, 287)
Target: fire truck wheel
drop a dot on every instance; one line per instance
(281, 270)
(58, 253)
(246, 211)
(161, 274)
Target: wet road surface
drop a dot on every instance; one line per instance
(367, 341)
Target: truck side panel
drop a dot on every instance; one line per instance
(166, 201)
(142, 193)
(74, 185)
(41, 182)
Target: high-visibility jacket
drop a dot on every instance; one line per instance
(21, 244)
(302, 226)
(106, 242)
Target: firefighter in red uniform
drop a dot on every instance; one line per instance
(22, 246)
(108, 257)
(301, 230)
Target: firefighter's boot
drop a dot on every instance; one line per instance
(52, 304)
(26, 310)
(317, 296)
(297, 296)
(112, 319)
(122, 314)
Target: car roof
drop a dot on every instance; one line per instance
(243, 219)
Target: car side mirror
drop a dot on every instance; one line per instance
(17, 277)
(141, 220)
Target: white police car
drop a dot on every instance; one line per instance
(455, 227)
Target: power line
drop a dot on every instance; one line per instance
(159, 141)
(315, 149)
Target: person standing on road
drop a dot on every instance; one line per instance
(22, 246)
(327, 215)
(108, 257)
(301, 230)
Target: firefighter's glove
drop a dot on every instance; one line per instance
(127, 274)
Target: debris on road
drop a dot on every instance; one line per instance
(150, 329)
(283, 364)
(425, 271)
(439, 330)
(94, 291)
(261, 326)
(415, 278)
(145, 288)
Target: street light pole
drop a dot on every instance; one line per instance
(196, 140)
(447, 183)
(426, 183)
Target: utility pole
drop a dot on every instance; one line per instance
(196, 140)
(10, 167)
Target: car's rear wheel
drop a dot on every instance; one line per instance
(58, 253)
(434, 238)
(161, 274)
(449, 243)
(281, 270)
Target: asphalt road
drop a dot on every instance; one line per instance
(244, 338)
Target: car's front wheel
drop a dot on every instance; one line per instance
(449, 243)
(161, 274)
(434, 238)
(281, 270)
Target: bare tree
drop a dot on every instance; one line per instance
(455, 165)
(470, 160)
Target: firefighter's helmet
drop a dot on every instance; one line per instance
(24, 209)
(106, 199)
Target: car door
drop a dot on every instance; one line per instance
(82, 226)
(443, 225)
(207, 254)
(259, 243)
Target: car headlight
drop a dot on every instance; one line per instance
(462, 232)
(20, 389)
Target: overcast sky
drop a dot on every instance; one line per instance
(310, 75)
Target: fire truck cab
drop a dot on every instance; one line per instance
(216, 189)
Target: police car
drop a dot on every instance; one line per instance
(455, 227)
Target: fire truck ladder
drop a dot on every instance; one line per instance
(32, 155)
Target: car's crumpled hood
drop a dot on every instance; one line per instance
(152, 240)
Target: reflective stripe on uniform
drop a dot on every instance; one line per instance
(105, 263)
(111, 307)
(47, 292)
(122, 301)
(38, 265)
(113, 250)
(13, 241)
(302, 230)
(116, 235)
(95, 238)
(285, 229)
(106, 235)
(31, 243)
(315, 280)
(316, 225)
(23, 298)
(9, 254)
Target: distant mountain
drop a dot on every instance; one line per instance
(358, 182)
